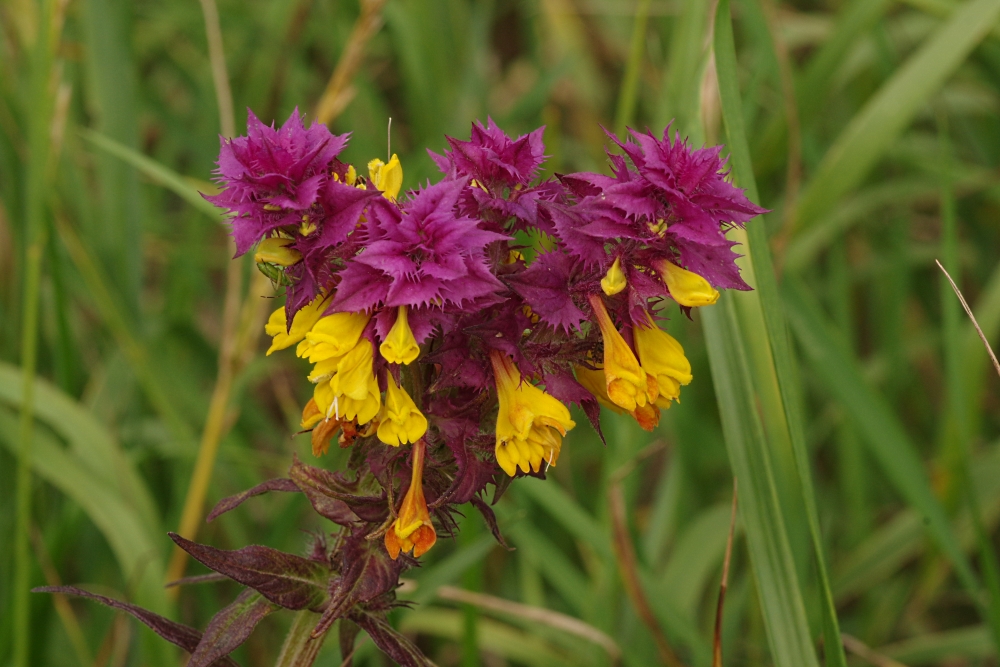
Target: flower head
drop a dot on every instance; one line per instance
(412, 530)
(400, 421)
(530, 422)
(421, 254)
(346, 387)
(492, 158)
(271, 177)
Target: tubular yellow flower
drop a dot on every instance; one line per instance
(530, 423)
(627, 384)
(400, 421)
(276, 251)
(303, 321)
(333, 336)
(594, 381)
(346, 387)
(387, 177)
(687, 287)
(663, 358)
(412, 530)
(400, 347)
(614, 281)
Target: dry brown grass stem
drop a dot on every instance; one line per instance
(972, 317)
(552, 619)
(628, 567)
(717, 639)
(339, 91)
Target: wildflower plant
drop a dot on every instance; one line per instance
(446, 350)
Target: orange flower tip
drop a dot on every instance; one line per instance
(322, 433)
(392, 543)
(648, 416)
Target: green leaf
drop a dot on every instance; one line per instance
(875, 421)
(892, 108)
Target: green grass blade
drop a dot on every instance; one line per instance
(155, 171)
(859, 147)
(781, 412)
(876, 423)
(138, 550)
(770, 554)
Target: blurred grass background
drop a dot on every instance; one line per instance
(850, 396)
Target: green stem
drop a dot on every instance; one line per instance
(630, 81)
(22, 556)
(300, 649)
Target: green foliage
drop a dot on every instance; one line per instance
(847, 393)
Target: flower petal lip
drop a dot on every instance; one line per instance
(627, 385)
(400, 421)
(400, 346)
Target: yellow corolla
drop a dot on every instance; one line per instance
(400, 346)
(386, 177)
(412, 530)
(686, 287)
(350, 391)
(530, 422)
(332, 336)
(400, 421)
(613, 281)
(594, 381)
(277, 324)
(627, 384)
(663, 358)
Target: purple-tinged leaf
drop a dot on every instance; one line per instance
(176, 633)
(391, 641)
(232, 502)
(332, 498)
(287, 580)
(229, 628)
(491, 520)
(545, 286)
(367, 572)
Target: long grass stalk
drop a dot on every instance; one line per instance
(764, 304)
(39, 137)
(217, 418)
(629, 93)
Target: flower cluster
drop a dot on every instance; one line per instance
(431, 322)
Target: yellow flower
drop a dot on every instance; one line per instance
(663, 358)
(349, 392)
(301, 324)
(594, 381)
(386, 177)
(614, 281)
(627, 384)
(276, 251)
(400, 421)
(530, 423)
(333, 336)
(400, 347)
(687, 287)
(412, 530)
